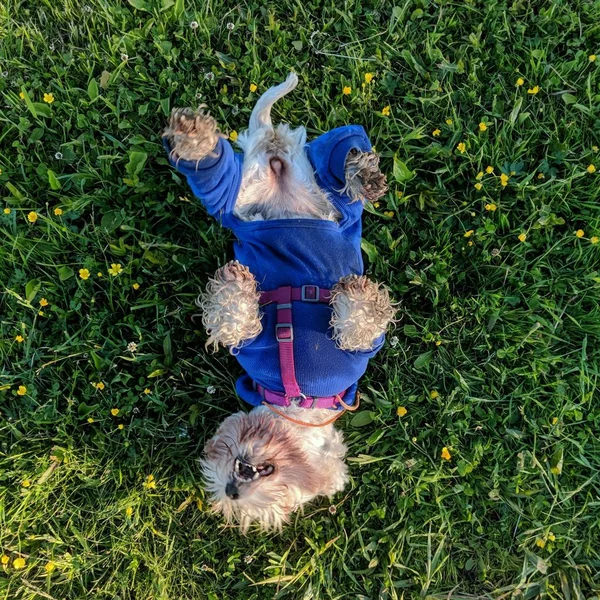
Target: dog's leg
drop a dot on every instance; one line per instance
(230, 306)
(192, 135)
(364, 180)
(362, 310)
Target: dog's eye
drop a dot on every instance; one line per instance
(265, 470)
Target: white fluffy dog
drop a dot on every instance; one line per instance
(295, 209)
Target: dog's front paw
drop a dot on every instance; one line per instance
(230, 306)
(192, 135)
(364, 179)
(362, 310)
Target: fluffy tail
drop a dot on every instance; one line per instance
(261, 114)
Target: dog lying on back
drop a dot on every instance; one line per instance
(294, 307)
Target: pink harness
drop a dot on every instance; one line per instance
(284, 333)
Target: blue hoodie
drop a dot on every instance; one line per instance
(293, 252)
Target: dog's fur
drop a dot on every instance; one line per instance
(260, 467)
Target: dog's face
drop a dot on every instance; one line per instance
(257, 469)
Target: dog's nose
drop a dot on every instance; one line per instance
(277, 165)
(232, 491)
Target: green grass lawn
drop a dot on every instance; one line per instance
(487, 116)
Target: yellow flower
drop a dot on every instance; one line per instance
(438, 343)
(594, 240)
(22, 95)
(253, 87)
(84, 274)
(347, 90)
(469, 243)
(43, 302)
(504, 180)
(385, 111)
(32, 217)
(522, 237)
(147, 391)
(19, 563)
(540, 542)
(114, 411)
(376, 204)
(41, 313)
(50, 566)
(520, 82)
(22, 390)
(436, 132)
(90, 420)
(592, 57)
(554, 420)
(491, 207)
(541, 176)
(482, 126)
(58, 211)
(595, 148)
(434, 394)
(150, 483)
(7, 211)
(401, 411)
(478, 186)
(26, 483)
(591, 169)
(233, 135)
(551, 536)
(49, 98)
(449, 121)
(534, 90)
(479, 175)
(369, 77)
(388, 213)
(469, 233)
(489, 170)
(136, 286)
(100, 274)
(4, 559)
(129, 511)
(120, 426)
(20, 339)
(580, 233)
(461, 147)
(446, 454)
(99, 386)
(115, 269)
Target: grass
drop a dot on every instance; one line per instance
(496, 357)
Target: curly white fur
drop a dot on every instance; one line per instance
(362, 310)
(230, 306)
(364, 179)
(192, 135)
(307, 462)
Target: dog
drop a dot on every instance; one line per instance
(294, 307)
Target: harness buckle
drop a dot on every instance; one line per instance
(310, 293)
(288, 332)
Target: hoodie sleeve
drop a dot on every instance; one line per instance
(215, 180)
(329, 151)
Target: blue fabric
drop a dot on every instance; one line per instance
(293, 252)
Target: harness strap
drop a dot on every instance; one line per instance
(284, 330)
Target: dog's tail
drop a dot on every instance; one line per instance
(261, 114)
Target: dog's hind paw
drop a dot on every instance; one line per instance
(364, 179)
(192, 135)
